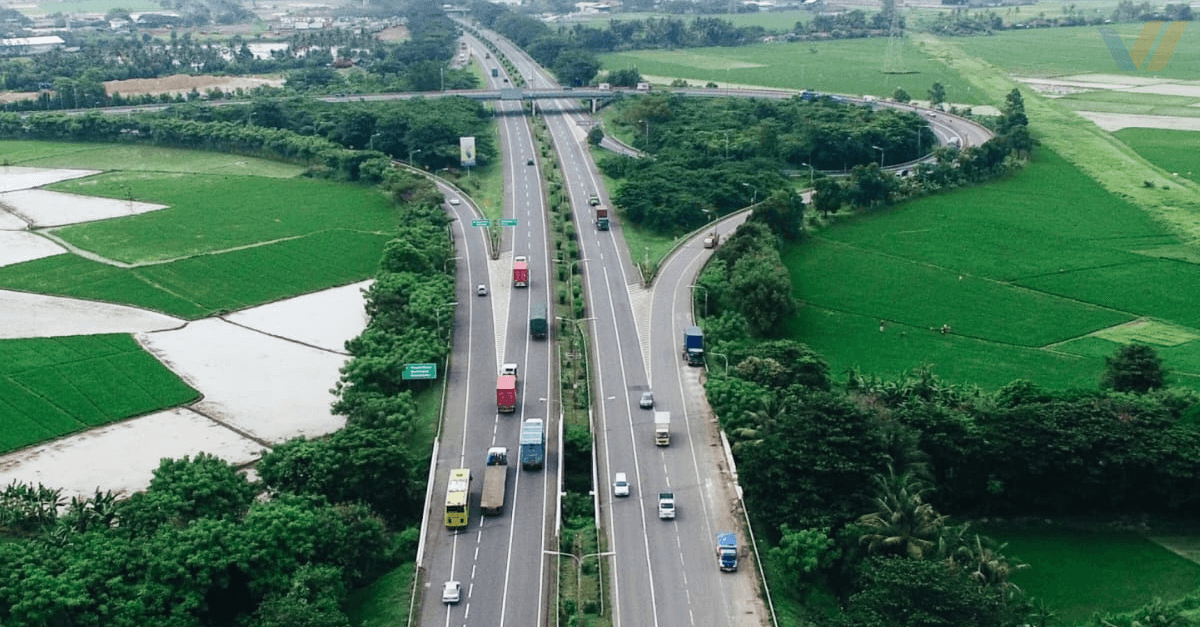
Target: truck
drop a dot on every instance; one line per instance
(643, 86)
(495, 72)
(601, 218)
(712, 240)
(727, 553)
(520, 272)
(533, 444)
(506, 393)
(495, 476)
(666, 505)
(693, 346)
(537, 321)
(662, 428)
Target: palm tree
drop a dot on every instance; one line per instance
(903, 524)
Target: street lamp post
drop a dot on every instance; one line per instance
(810, 174)
(880, 155)
(447, 263)
(579, 574)
(410, 155)
(586, 373)
(722, 356)
(701, 287)
(570, 276)
(754, 199)
(371, 142)
(437, 313)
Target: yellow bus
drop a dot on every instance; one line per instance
(458, 498)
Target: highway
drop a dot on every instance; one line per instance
(497, 559)
(662, 573)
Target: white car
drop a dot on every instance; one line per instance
(455, 201)
(620, 485)
(481, 290)
(451, 592)
(520, 259)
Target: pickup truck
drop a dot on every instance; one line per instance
(666, 505)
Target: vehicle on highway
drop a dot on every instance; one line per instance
(727, 553)
(620, 484)
(451, 592)
(693, 345)
(537, 321)
(666, 505)
(506, 393)
(458, 498)
(481, 290)
(495, 476)
(455, 201)
(520, 272)
(533, 444)
(530, 162)
(647, 401)
(662, 428)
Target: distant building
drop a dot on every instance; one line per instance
(24, 46)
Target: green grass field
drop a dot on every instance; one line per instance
(208, 214)
(1177, 152)
(1024, 271)
(51, 387)
(1078, 573)
(135, 157)
(1076, 50)
(848, 66)
(204, 285)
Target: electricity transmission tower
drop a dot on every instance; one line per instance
(893, 59)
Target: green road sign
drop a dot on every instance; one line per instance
(508, 222)
(481, 222)
(420, 371)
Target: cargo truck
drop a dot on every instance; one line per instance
(506, 393)
(537, 321)
(520, 272)
(533, 444)
(601, 218)
(727, 551)
(495, 476)
(666, 505)
(693, 346)
(712, 240)
(662, 428)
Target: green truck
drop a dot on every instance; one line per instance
(537, 321)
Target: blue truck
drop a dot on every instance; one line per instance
(533, 444)
(727, 551)
(693, 346)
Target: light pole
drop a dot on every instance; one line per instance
(810, 174)
(437, 313)
(755, 189)
(880, 154)
(579, 574)
(722, 356)
(410, 155)
(570, 277)
(447, 262)
(705, 297)
(371, 142)
(586, 374)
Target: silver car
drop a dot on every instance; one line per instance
(647, 401)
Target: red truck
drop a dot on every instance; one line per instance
(520, 272)
(506, 393)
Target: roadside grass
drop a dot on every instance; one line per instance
(385, 602)
(839, 66)
(50, 387)
(922, 296)
(1173, 151)
(1072, 51)
(208, 214)
(204, 285)
(1079, 572)
(91, 156)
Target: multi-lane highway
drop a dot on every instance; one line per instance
(497, 559)
(662, 572)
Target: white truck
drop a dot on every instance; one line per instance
(662, 428)
(666, 505)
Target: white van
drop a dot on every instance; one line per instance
(620, 485)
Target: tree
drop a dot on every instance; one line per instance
(1013, 114)
(903, 524)
(595, 135)
(901, 96)
(828, 195)
(576, 67)
(937, 94)
(187, 489)
(783, 211)
(1134, 368)
(763, 288)
(902, 592)
(312, 601)
(804, 553)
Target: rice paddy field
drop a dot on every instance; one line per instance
(1177, 152)
(55, 386)
(848, 66)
